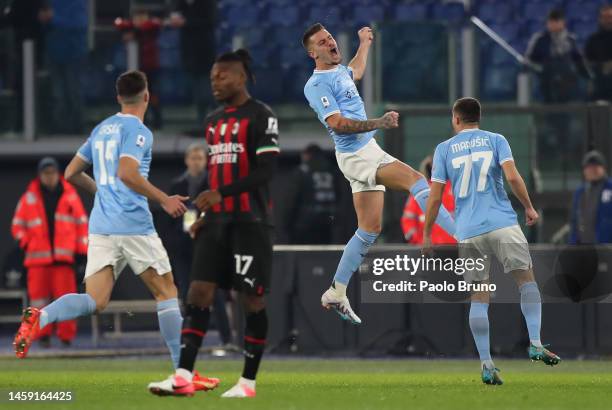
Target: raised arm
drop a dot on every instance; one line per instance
(359, 62)
(343, 125)
(129, 174)
(517, 184)
(75, 174)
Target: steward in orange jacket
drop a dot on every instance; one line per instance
(413, 218)
(50, 225)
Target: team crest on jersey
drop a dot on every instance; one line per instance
(140, 141)
(325, 101)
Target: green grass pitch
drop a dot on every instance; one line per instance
(318, 384)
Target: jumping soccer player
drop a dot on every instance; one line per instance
(233, 244)
(121, 230)
(474, 161)
(332, 94)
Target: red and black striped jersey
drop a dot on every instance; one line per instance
(236, 138)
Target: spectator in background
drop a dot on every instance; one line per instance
(311, 203)
(598, 53)
(26, 18)
(413, 218)
(144, 29)
(556, 51)
(197, 20)
(50, 225)
(66, 47)
(193, 181)
(591, 217)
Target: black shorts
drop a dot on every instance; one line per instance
(234, 256)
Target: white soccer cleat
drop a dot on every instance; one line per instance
(162, 388)
(331, 300)
(240, 391)
(172, 386)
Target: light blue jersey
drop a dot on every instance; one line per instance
(331, 92)
(472, 160)
(117, 209)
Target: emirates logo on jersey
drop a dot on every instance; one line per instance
(225, 152)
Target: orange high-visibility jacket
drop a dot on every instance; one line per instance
(30, 227)
(413, 221)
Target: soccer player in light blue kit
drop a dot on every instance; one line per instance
(475, 161)
(332, 94)
(121, 227)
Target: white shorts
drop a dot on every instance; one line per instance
(360, 167)
(508, 245)
(139, 251)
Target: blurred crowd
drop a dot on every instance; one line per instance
(561, 63)
(61, 32)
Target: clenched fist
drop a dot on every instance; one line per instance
(365, 35)
(389, 120)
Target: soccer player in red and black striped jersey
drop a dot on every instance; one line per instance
(233, 243)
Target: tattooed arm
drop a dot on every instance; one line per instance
(343, 125)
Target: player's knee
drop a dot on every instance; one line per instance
(254, 304)
(101, 303)
(200, 295)
(165, 292)
(411, 177)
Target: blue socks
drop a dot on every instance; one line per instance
(479, 324)
(354, 252)
(170, 323)
(67, 307)
(531, 306)
(420, 190)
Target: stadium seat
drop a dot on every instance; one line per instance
(411, 12)
(530, 27)
(281, 35)
(283, 15)
(293, 56)
(253, 36)
(583, 11)
(538, 11)
(364, 15)
(450, 12)
(243, 16)
(495, 13)
(325, 15)
(583, 29)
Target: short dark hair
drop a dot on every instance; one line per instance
(556, 15)
(239, 56)
(467, 109)
(315, 28)
(131, 84)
